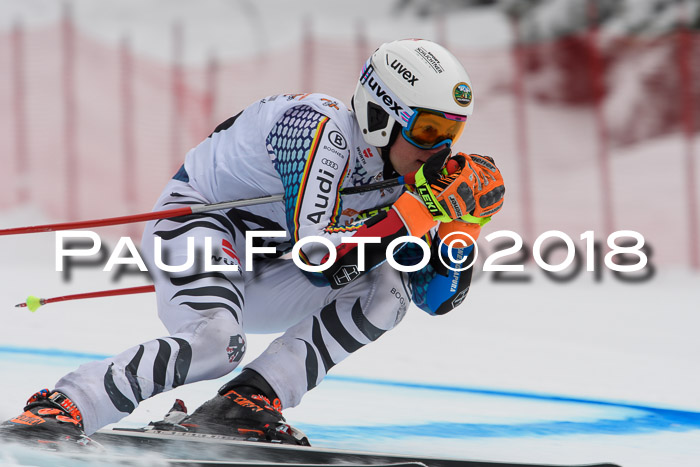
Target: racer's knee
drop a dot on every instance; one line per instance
(218, 346)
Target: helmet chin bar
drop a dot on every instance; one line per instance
(389, 171)
(377, 118)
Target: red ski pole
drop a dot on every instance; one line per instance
(195, 209)
(33, 303)
(408, 179)
(177, 212)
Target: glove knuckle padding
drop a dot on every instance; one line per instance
(465, 192)
(489, 189)
(492, 197)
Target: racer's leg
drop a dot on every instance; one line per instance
(201, 310)
(331, 324)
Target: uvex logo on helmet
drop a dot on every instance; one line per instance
(404, 72)
(381, 94)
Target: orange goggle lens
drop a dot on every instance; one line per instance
(428, 129)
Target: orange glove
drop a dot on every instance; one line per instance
(441, 194)
(487, 185)
(472, 190)
(446, 195)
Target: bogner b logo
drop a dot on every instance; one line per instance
(423, 191)
(404, 72)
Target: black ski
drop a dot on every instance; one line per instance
(184, 448)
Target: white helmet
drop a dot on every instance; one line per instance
(403, 78)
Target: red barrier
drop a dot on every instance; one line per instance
(128, 137)
(211, 96)
(19, 109)
(685, 56)
(523, 151)
(308, 56)
(597, 73)
(177, 95)
(71, 168)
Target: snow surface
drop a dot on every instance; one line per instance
(515, 374)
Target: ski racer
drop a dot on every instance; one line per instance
(409, 108)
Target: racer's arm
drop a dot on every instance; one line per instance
(312, 171)
(439, 196)
(443, 283)
(311, 167)
(441, 286)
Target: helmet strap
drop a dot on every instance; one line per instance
(389, 171)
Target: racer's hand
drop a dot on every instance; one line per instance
(447, 196)
(487, 186)
(439, 196)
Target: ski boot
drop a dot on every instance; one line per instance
(49, 419)
(246, 407)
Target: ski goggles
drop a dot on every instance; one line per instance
(428, 129)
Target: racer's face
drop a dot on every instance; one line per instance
(407, 158)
